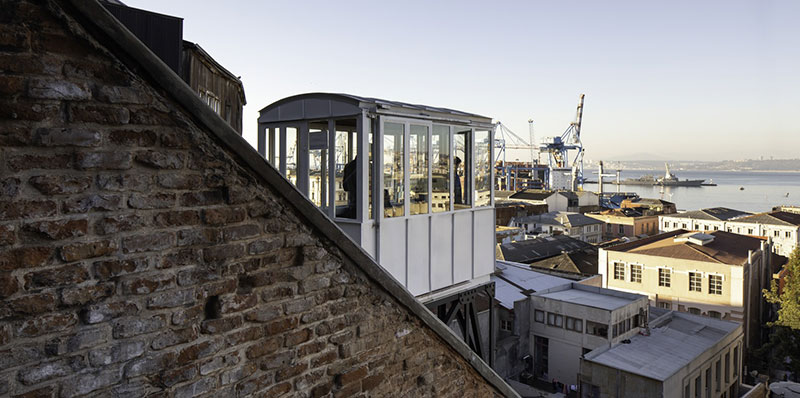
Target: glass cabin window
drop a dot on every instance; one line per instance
(418, 169)
(291, 154)
(345, 173)
(483, 172)
(393, 170)
(440, 164)
(462, 166)
(318, 164)
(270, 146)
(368, 127)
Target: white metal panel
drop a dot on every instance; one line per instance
(393, 248)
(418, 255)
(462, 246)
(441, 251)
(484, 242)
(368, 238)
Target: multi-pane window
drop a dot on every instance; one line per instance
(636, 273)
(665, 305)
(788, 234)
(483, 173)
(418, 169)
(735, 361)
(596, 329)
(714, 284)
(776, 233)
(664, 277)
(695, 282)
(393, 170)
(506, 325)
(538, 316)
(666, 224)
(440, 168)
(555, 320)
(574, 324)
(619, 271)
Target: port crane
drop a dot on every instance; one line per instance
(517, 175)
(558, 149)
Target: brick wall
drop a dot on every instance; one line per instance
(138, 257)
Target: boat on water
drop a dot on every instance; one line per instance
(670, 180)
(643, 180)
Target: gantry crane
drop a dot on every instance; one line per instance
(558, 149)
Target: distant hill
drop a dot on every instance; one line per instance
(725, 165)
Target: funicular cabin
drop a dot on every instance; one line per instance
(412, 184)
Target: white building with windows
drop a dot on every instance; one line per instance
(574, 225)
(719, 275)
(412, 184)
(782, 227)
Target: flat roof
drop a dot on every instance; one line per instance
(512, 279)
(596, 299)
(675, 340)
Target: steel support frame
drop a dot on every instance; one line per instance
(461, 307)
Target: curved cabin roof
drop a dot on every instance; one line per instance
(323, 105)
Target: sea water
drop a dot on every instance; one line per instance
(740, 190)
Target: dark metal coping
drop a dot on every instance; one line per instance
(357, 100)
(135, 51)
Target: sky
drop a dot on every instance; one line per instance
(677, 80)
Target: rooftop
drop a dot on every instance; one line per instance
(773, 218)
(591, 296)
(576, 262)
(563, 218)
(712, 214)
(655, 356)
(725, 248)
(528, 251)
(532, 194)
(513, 280)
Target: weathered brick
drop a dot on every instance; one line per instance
(221, 325)
(148, 242)
(26, 257)
(50, 370)
(134, 326)
(199, 236)
(223, 215)
(49, 161)
(280, 326)
(119, 352)
(172, 299)
(8, 235)
(115, 160)
(244, 335)
(161, 159)
(297, 337)
(224, 286)
(118, 223)
(105, 270)
(172, 376)
(14, 38)
(149, 364)
(264, 313)
(59, 184)
(240, 232)
(214, 364)
(180, 257)
(122, 95)
(81, 339)
(177, 218)
(180, 181)
(238, 303)
(129, 138)
(61, 276)
(34, 304)
(187, 316)
(9, 187)
(26, 111)
(84, 250)
(8, 285)
(86, 294)
(44, 392)
(86, 383)
(314, 283)
(300, 304)
(94, 202)
(265, 245)
(151, 117)
(27, 209)
(199, 387)
(125, 182)
(146, 284)
(171, 337)
(45, 324)
(223, 252)
(151, 201)
(66, 137)
(197, 275)
(197, 351)
(59, 229)
(106, 115)
(202, 198)
(103, 312)
(58, 89)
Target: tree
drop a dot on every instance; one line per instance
(788, 298)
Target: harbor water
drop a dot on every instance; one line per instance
(762, 190)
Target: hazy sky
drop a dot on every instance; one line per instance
(703, 80)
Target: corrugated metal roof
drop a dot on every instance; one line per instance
(673, 343)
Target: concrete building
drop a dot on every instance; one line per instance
(649, 206)
(707, 220)
(509, 234)
(719, 274)
(626, 222)
(681, 356)
(571, 320)
(563, 201)
(575, 225)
